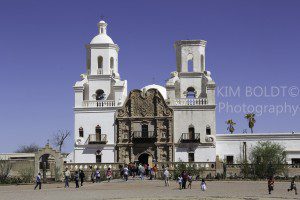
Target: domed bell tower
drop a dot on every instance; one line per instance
(102, 54)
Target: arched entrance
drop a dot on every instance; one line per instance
(145, 158)
(47, 167)
(49, 163)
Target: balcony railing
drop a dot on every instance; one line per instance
(94, 104)
(188, 102)
(97, 139)
(190, 138)
(143, 136)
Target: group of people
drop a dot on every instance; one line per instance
(141, 170)
(184, 180)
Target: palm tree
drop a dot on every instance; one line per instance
(251, 120)
(231, 125)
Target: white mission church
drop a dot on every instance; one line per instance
(171, 123)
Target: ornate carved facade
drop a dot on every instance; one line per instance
(144, 128)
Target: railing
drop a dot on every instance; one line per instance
(188, 102)
(96, 139)
(93, 104)
(143, 135)
(190, 138)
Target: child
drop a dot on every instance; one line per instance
(180, 182)
(97, 174)
(293, 186)
(38, 181)
(203, 185)
(190, 180)
(108, 174)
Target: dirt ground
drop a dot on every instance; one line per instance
(146, 189)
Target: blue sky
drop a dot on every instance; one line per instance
(250, 44)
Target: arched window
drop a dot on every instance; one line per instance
(80, 132)
(190, 63)
(191, 93)
(98, 129)
(100, 62)
(191, 132)
(100, 95)
(208, 130)
(112, 62)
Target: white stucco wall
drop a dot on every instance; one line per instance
(87, 154)
(232, 145)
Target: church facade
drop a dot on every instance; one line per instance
(171, 123)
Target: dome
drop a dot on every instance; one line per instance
(161, 89)
(102, 39)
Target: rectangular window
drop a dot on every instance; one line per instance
(144, 131)
(80, 132)
(208, 131)
(98, 158)
(191, 157)
(229, 159)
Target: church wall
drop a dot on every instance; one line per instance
(89, 120)
(87, 154)
(199, 119)
(185, 83)
(95, 85)
(106, 54)
(232, 145)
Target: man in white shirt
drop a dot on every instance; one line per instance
(166, 176)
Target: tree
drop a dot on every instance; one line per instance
(32, 148)
(268, 159)
(5, 168)
(231, 125)
(59, 138)
(251, 120)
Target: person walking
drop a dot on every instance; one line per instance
(142, 172)
(108, 174)
(155, 169)
(97, 174)
(67, 177)
(271, 184)
(190, 180)
(81, 176)
(180, 179)
(125, 172)
(203, 185)
(93, 176)
(293, 186)
(38, 181)
(166, 177)
(76, 177)
(184, 176)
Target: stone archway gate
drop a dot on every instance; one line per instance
(57, 156)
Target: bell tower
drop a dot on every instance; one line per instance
(190, 53)
(102, 54)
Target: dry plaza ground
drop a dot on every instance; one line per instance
(137, 189)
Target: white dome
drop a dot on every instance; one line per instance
(161, 89)
(102, 39)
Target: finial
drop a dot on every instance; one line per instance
(102, 18)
